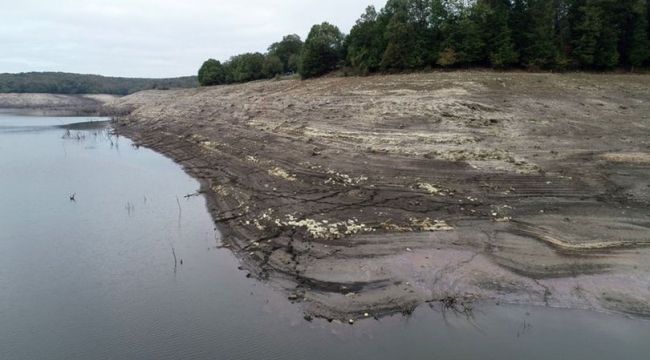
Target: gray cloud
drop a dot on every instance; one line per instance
(153, 38)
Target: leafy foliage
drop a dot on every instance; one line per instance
(288, 51)
(272, 66)
(365, 43)
(245, 67)
(547, 34)
(323, 49)
(283, 57)
(494, 16)
(212, 73)
(418, 34)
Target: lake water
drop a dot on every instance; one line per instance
(95, 278)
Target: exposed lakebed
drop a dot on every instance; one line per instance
(96, 277)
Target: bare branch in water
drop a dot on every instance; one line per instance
(175, 261)
(178, 202)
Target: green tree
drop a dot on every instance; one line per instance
(398, 54)
(294, 63)
(587, 27)
(408, 33)
(211, 73)
(494, 22)
(536, 32)
(471, 45)
(426, 42)
(634, 45)
(438, 19)
(272, 66)
(596, 34)
(463, 36)
(647, 6)
(245, 67)
(562, 32)
(536, 22)
(365, 43)
(287, 51)
(323, 49)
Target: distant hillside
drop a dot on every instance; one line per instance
(67, 83)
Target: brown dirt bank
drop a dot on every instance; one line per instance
(374, 195)
(55, 104)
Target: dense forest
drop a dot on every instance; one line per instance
(67, 83)
(421, 34)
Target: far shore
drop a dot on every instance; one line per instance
(54, 104)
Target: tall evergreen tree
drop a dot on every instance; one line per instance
(471, 45)
(537, 21)
(405, 33)
(596, 34)
(647, 6)
(633, 44)
(519, 21)
(587, 26)
(647, 9)
(494, 21)
(562, 34)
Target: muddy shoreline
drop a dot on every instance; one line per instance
(368, 196)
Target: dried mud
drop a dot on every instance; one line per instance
(368, 196)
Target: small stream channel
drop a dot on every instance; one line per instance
(94, 277)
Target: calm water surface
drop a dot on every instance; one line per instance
(95, 278)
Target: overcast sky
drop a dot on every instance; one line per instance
(153, 38)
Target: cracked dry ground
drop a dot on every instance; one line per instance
(367, 196)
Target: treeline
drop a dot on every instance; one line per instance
(282, 57)
(67, 83)
(421, 34)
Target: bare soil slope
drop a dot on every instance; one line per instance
(365, 196)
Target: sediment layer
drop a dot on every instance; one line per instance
(367, 196)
